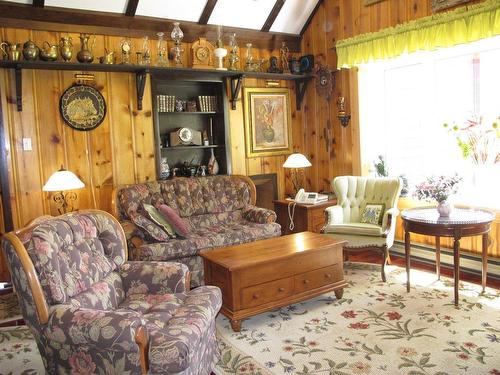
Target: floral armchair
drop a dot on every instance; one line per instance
(91, 311)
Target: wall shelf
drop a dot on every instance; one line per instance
(188, 147)
(189, 113)
(140, 71)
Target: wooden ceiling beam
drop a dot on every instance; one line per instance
(39, 3)
(56, 19)
(131, 8)
(273, 15)
(207, 12)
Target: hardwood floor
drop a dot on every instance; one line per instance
(371, 257)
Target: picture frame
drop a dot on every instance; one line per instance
(268, 121)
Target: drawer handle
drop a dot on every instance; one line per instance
(328, 275)
(256, 296)
(306, 281)
(281, 289)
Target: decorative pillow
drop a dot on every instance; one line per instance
(174, 220)
(373, 213)
(153, 230)
(158, 218)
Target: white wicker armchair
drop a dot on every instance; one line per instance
(344, 220)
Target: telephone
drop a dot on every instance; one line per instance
(309, 198)
(305, 198)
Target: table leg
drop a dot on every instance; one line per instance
(407, 255)
(484, 257)
(438, 257)
(456, 265)
(339, 293)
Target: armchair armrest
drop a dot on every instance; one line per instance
(334, 215)
(133, 234)
(154, 277)
(389, 219)
(114, 330)
(259, 215)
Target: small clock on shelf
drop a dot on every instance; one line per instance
(202, 52)
(185, 137)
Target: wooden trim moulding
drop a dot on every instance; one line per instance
(131, 8)
(207, 12)
(56, 19)
(309, 20)
(273, 15)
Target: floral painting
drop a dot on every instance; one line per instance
(267, 121)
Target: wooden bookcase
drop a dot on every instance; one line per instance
(166, 122)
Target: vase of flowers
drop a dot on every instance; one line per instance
(438, 189)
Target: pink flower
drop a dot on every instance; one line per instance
(360, 368)
(349, 314)
(315, 321)
(393, 315)
(101, 288)
(359, 325)
(407, 352)
(313, 343)
(84, 317)
(155, 299)
(446, 317)
(42, 247)
(81, 364)
(288, 348)
(469, 344)
(494, 371)
(463, 356)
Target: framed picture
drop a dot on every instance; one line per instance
(437, 5)
(267, 121)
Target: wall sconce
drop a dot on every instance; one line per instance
(343, 117)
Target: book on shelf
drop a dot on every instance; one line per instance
(165, 103)
(207, 103)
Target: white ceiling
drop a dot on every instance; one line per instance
(249, 14)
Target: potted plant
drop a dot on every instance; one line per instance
(439, 189)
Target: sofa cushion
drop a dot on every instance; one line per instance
(153, 303)
(153, 230)
(207, 238)
(158, 219)
(174, 220)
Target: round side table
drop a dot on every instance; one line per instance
(461, 223)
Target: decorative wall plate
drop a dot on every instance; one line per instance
(82, 107)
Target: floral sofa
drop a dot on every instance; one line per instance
(218, 210)
(93, 312)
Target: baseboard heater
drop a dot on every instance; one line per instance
(468, 262)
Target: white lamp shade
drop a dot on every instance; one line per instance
(63, 180)
(297, 161)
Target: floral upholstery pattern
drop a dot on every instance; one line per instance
(216, 209)
(97, 301)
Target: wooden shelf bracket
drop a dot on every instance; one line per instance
(140, 83)
(235, 89)
(300, 90)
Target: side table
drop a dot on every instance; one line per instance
(306, 217)
(461, 223)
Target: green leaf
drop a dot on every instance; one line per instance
(226, 357)
(405, 364)
(286, 361)
(424, 360)
(316, 365)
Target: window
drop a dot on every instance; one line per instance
(404, 103)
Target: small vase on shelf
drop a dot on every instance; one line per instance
(164, 169)
(213, 165)
(444, 208)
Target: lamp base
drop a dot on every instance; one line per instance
(64, 201)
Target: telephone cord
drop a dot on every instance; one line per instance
(291, 214)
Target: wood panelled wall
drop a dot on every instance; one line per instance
(333, 149)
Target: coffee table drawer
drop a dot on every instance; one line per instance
(317, 278)
(266, 292)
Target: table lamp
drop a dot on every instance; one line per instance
(61, 181)
(296, 162)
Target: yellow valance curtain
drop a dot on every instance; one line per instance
(463, 25)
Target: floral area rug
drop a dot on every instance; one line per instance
(376, 328)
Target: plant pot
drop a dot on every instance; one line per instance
(444, 208)
(268, 134)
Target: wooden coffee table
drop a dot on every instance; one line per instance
(264, 275)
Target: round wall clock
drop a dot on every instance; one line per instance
(185, 135)
(82, 107)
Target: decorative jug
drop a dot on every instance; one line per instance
(108, 58)
(85, 54)
(12, 51)
(66, 48)
(30, 51)
(48, 52)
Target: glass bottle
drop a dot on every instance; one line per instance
(162, 50)
(177, 36)
(249, 65)
(233, 54)
(146, 51)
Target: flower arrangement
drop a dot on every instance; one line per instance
(437, 188)
(478, 141)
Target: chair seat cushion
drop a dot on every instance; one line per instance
(361, 229)
(151, 303)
